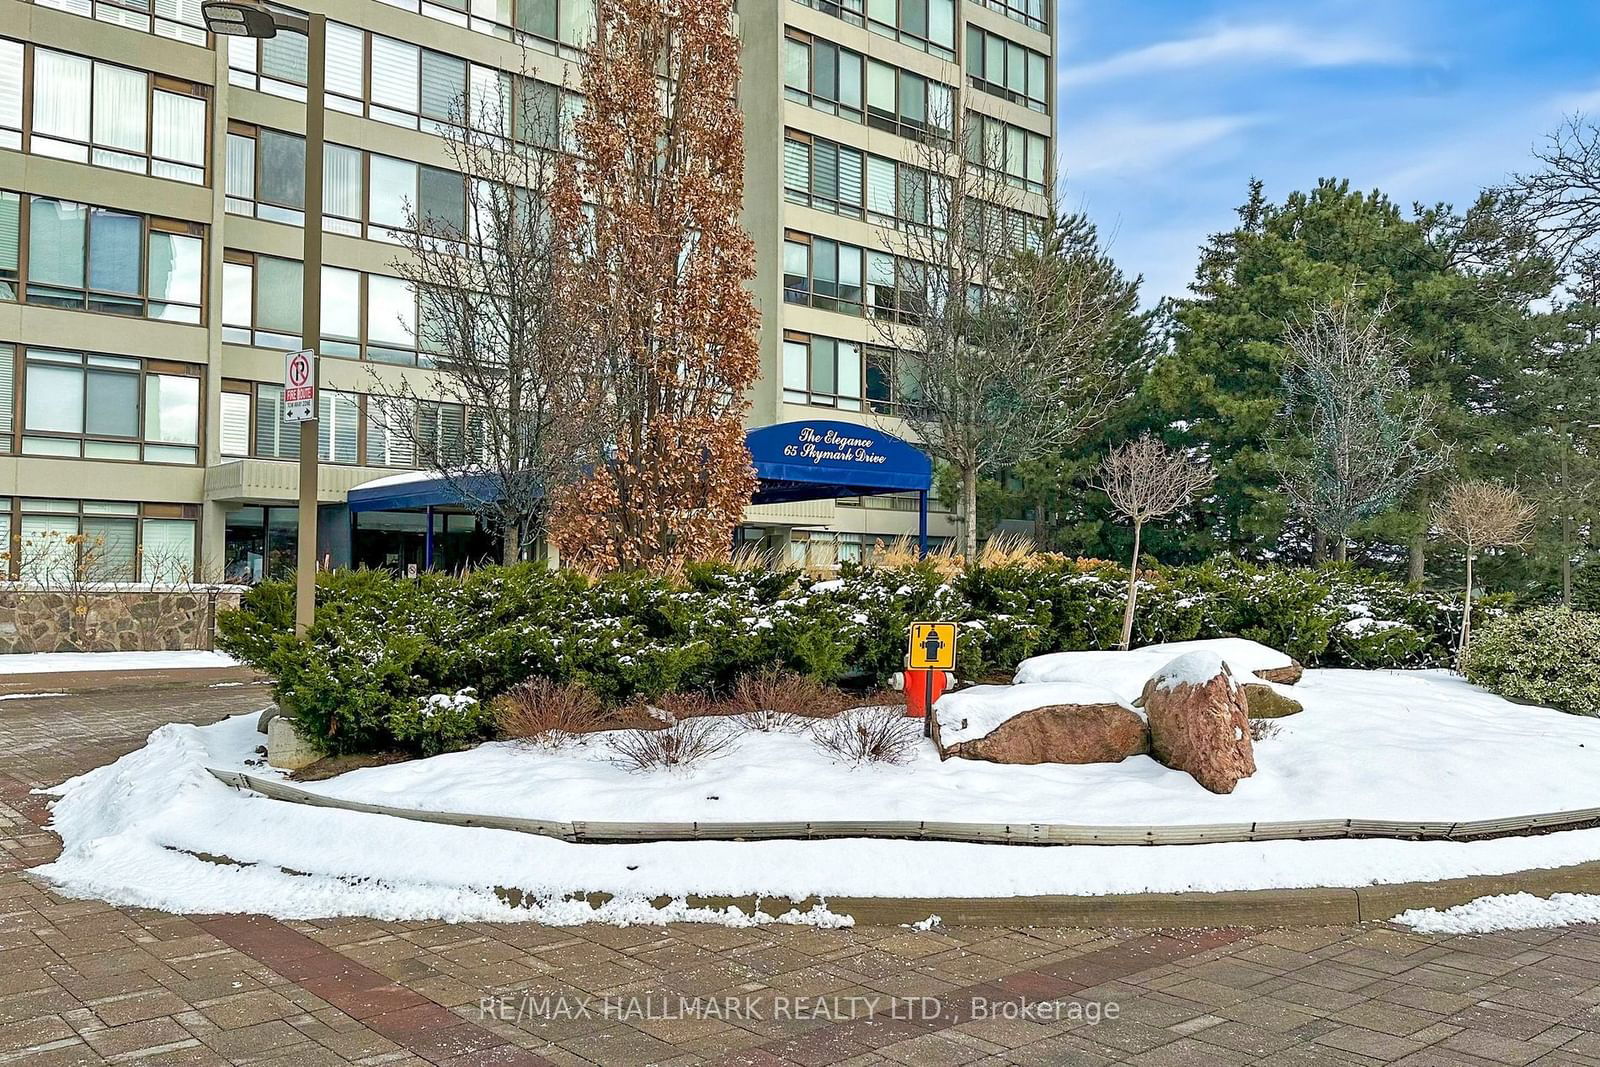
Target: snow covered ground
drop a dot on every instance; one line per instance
(58, 662)
(1390, 745)
(1508, 911)
(1393, 745)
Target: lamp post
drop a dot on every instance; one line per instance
(246, 18)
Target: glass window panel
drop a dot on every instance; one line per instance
(394, 187)
(241, 176)
(537, 17)
(341, 181)
(172, 408)
(174, 276)
(54, 399)
(178, 131)
(10, 90)
(60, 95)
(444, 86)
(796, 359)
(234, 439)
(391, 311)
(823, 379)
(443, 199)
(8, 398)
(115, 252)
(394, 74)
(284, 57)
(10, 240)
(278, 295)
(283, 169)
(113, 404)
(108, 549)
(796, 65)
(47, 554)
(389, 442)
(345, 48)
(56, 242)
(341, 303)
(797, 166)
(881, 87)
(337, 415)
(576, 22)
(168, 550)
(119, 107)
(238, 293)
(275, 439)
(849, 363)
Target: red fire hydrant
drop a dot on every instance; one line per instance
(923, 688)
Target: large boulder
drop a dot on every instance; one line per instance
(1199, 721)
(1268, 701)
(1061, 733)
(1038, 723)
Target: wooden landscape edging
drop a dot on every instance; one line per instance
(586, 832)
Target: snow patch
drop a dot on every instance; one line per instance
(57, 662)
(1508, 911)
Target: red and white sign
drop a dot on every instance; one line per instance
(299, 387)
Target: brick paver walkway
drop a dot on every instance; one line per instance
(81, 982)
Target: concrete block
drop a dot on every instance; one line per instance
(286, 749)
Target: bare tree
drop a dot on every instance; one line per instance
(998, 310)
(1146, 480)
(1368, 438)
(1480, 515)
(1562, 198)
(496, 422)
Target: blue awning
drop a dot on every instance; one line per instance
(815, 459)
(423, 489)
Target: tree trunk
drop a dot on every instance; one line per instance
(1417, 560)
(1133, 588)
(969, 513)
(510, 544)
(1341, 550)
(1319, 547)
(1566, 532)
(1466, 616)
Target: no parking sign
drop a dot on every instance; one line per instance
(299, 388)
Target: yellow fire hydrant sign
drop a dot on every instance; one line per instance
(932, 646)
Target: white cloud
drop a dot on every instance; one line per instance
(1266, 44)
(1128, 145)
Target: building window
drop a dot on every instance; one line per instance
(823, 273)
(8, 403)
(898, 289)
(904, 197)
(822, 75)
(11, 59)
(89, 111)
(96, 259)
(234, 421)
(69, 542)
(821, 174)
(824, 371)
(1004, 68)
(1034, 14)
(179, 20)
(899, 101)
(1022, 156)
(890, 382)
(276, 65)
(110, 407)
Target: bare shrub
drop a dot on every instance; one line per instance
(546, 712)
(869, 735)
(782, 700)
(682, 744)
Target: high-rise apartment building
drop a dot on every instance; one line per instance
(151, 199)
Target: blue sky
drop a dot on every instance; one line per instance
(1168, 107)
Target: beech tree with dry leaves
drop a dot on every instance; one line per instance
(1479, 515)
(1145, 480)
(663, 326)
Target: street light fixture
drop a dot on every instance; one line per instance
(248, 18)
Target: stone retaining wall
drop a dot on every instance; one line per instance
(111, 620)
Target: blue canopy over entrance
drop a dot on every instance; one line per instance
(814, 459)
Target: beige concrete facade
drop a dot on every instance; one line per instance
(244, 103)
